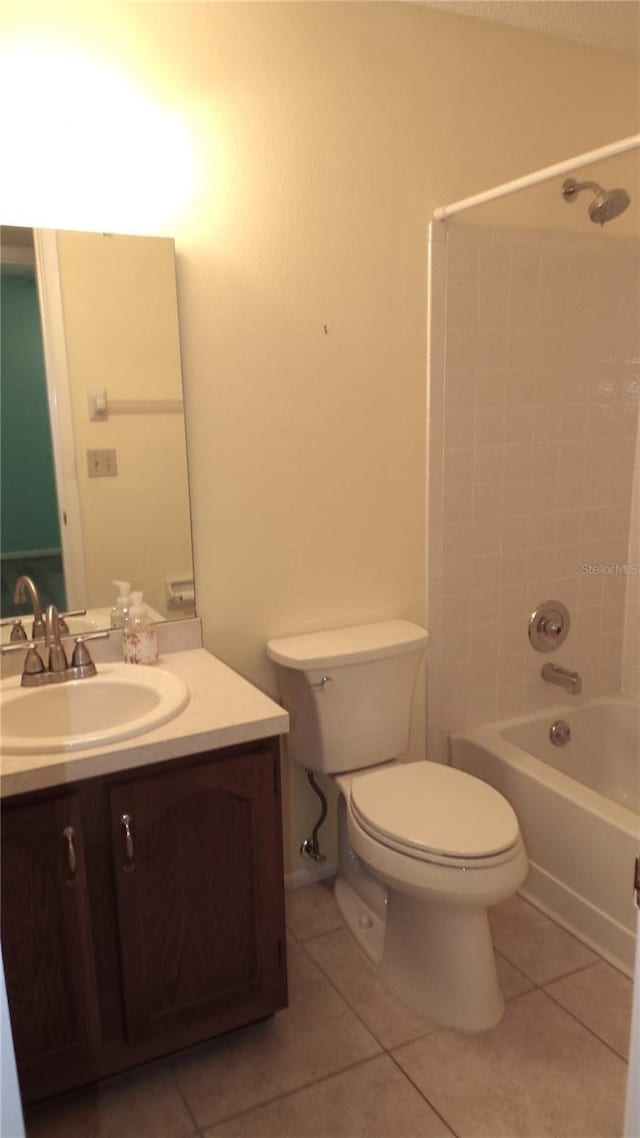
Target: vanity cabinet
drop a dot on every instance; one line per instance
(46, 939)
(142, 911)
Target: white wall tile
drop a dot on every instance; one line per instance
(540, 391)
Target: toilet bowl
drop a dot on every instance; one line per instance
(442, 867)
(424, 849)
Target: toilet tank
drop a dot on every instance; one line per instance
(349, 693)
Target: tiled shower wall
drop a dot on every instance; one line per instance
(533, 412)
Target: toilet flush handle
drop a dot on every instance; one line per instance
(322, 683)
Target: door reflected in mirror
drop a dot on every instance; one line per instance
(94, 462)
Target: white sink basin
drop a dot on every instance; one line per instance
(121, 701)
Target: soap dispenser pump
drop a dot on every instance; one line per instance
(139, 637)
(120, 610)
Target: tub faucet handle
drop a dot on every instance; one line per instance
(549, 626)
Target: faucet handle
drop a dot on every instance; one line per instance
(82, 637)
(549, 626)
(81, 658)
(18, 646)
(17, 628)
(33, 662)
(62, 620)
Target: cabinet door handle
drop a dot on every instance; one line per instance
(72, 861)
(126, 821)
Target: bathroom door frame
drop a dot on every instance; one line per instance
(60, 415)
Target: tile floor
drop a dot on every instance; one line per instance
(347, 1060)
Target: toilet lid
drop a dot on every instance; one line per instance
(433, 808)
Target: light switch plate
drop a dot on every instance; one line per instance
(102, 463)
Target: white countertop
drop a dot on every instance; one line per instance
(223, 709)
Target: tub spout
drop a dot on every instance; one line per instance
(554, 674)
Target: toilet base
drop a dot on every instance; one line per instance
(437, 959)
(362, 922)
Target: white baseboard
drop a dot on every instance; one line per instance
(309, 874)
(600, 931)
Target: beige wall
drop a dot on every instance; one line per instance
(323, 137)
(631, 646)
(121, 331)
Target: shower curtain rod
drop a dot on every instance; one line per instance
(543, 175)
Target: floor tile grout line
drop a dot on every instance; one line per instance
(442, 1027)
(539, 988)
(520, 996)
(583, 967)
(192, 1116)
(344, 998)
(615, 968)
(387, 1050)
(384, 1050)
(580, 967)
(569, 933)
(316, 936)
(323, 1078)
(413, 1039)
(288, 1094)
(591, 1030)
(563, 975)
(516, 967)
(421, 1093)
(574, 972)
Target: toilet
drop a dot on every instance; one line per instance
(424, 849)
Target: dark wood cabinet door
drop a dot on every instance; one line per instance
(197, 860)
(46, 943)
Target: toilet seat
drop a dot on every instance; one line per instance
(435, 813)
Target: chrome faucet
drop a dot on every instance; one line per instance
(57, 656)
(35, 673)
(26, 584)
(554, 674)
(38, 631)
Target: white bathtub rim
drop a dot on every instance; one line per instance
(489, 737)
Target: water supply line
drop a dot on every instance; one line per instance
(311, 846)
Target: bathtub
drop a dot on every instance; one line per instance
(578, 807)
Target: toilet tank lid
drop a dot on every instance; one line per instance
(338, 646)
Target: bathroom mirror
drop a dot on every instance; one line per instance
(94, 463)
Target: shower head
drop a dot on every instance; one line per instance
(606, 204)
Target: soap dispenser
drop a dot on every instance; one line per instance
(139, 636)
(120, 610)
